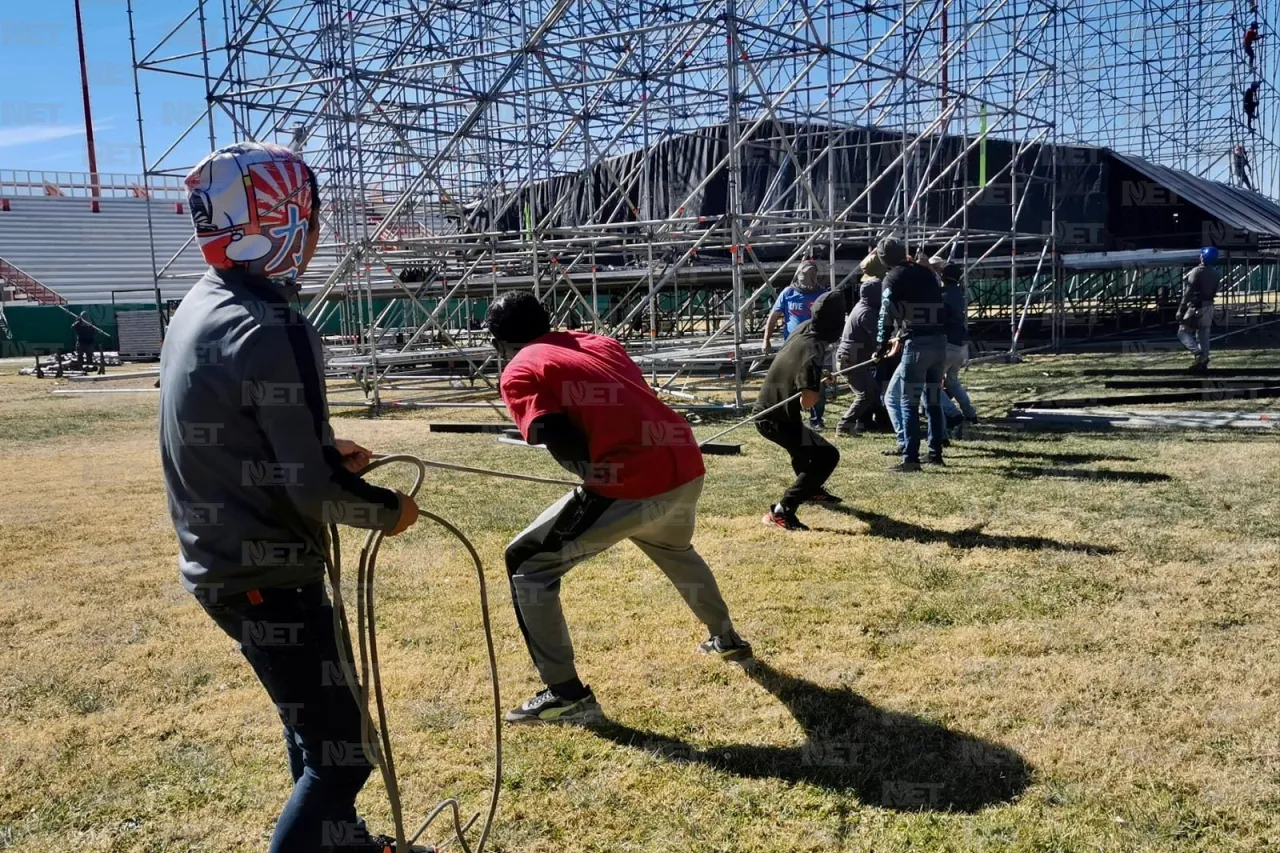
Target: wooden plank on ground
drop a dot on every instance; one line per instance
(469, 427)
(1201, 396)
(1181, 371)
(721, 448)
(1111, 418)
(1221, 382)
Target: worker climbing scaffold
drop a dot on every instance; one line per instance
(1240, 166)
(1251, 36)
(1251, 104)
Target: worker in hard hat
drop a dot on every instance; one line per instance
(1251, 37)
(1195, 312)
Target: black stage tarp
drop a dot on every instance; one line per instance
(1104, 201)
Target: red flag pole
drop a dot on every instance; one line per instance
(88, 115)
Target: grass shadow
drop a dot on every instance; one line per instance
(970, 537)
(1054, 458)
(992, 431)
(886, 758)
(1029, 472)
(836, 530)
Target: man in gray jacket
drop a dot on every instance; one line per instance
(858, 344)
(1195, 312)
(254, 476)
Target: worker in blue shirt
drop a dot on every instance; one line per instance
(795, 305)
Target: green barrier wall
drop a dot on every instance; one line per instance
(44, 328)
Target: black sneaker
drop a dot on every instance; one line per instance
(825, 497)
(975, 420)
(783, 519)
(897, 451)
(905, 467)
(546, 707)
(934, 459)
(730, 647)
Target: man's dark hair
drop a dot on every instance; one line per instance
(517, 317)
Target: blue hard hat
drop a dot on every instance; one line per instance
(1209, 255)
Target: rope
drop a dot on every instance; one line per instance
(467, 469)
(379, 748)
(776, 406)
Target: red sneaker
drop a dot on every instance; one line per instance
(783, 520)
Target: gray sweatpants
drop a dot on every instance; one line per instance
(866, 393)
(1196, 338)
(581, 525)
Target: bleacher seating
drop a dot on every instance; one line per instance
(85, 256)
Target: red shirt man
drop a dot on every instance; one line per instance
(1251, 36)
(582, 397)
(637, 446)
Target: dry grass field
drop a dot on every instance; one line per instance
(1063, 642)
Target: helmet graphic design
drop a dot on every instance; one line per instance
(251, 204)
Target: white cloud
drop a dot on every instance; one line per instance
(67, 159)
(29, 134)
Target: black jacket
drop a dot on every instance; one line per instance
(85, 334)
(250, 467)
(913, 306)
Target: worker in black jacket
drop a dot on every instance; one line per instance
(86, 337)
(799, 368)
(914, 314)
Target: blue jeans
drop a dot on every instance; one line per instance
(924, 364)
(950, 410)
(894, 397)
(288, 639)
(957, 354)
(895, 401)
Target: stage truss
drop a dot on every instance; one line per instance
(430, 124)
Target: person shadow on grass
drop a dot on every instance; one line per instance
(887, 527)
(885, 758)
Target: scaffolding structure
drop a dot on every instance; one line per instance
(466, 147)
(1166, 81)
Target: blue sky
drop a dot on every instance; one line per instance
(41, 111)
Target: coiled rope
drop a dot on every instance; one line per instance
(376, 739)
